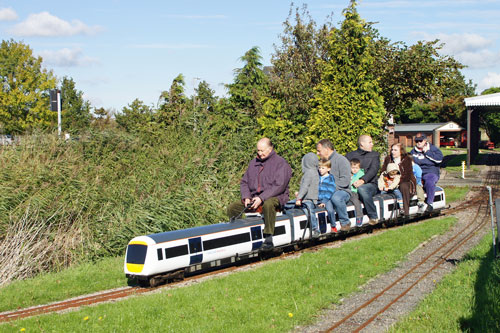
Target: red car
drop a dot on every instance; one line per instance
(486, 144)
(447, 142)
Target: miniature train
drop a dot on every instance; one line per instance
(155, 258)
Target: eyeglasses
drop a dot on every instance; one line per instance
(419, 140)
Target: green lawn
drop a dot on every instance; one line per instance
(76, 281)
(273, 297)
(467, 300)
(455, 193)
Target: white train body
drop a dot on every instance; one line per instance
(213, 245)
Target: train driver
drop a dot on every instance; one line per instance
(264, 184)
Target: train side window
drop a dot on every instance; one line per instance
(176, 251)
(256, 233)
(160, 254)
(195, 245)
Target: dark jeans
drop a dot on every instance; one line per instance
(366, 193)
(430, 180)
(269, 208)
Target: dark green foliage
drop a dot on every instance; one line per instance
(347, 101)
(250, 84)
(490, 120)
(172, 102)
(416, 74)
(448, 109)
(136, 117)
(75, 111)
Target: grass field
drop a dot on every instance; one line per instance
(467, 300)
(91, 277)
(71, 282)
(273, 297)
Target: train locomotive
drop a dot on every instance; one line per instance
(153, 259)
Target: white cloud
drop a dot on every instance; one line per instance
(480, 59)
(466, 42)
(489, 81)
(472, 50)
(46, 25)
(67, 58)
(7, 14)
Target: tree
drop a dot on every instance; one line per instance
(75, 112)
(490, 120)
(415, 74)
(172, 102)
(203, 102)
(24, 99)
(250, 84)
(294, 74)
(347, 102)
(135, 117)
(448, 109)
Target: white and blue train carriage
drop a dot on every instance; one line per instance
(155, 258)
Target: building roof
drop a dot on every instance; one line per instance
(429, 127)
(483, 100)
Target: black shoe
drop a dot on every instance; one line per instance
(429, 209)
(268, 242)
(267, 246)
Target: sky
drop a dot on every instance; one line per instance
(117, 51)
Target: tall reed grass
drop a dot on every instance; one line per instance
(63, 202)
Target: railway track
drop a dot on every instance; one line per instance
(362, 316)
(115, 294)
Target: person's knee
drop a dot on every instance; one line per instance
(270, 204)
(362, 191)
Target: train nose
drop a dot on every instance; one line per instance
(136, 256)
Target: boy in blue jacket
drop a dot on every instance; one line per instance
(326, 189)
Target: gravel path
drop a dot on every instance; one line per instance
(408, 302)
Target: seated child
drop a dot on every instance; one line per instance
(388, 182)
(308, 192)
(356, 174)
(326, 189)
(417, 172)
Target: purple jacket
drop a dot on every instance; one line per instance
(267, 178)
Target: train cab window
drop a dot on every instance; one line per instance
(160, 254)
(136, 254)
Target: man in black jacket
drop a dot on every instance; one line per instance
(367, 185)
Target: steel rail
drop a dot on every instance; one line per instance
(478, 201)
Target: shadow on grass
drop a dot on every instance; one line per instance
(486, 310)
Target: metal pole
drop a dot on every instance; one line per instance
(497, 204)
(492, 222)
(58, 112)
(469, 119)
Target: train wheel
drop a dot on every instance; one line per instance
(155, 282)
